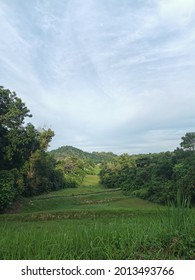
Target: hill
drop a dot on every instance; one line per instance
(95, 157)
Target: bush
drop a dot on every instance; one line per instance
(70, 182)
(11, 186)
(142, 193)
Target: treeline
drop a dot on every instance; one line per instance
(26, 168)
(92, 158)
(155, 177)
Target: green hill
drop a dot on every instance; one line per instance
(95, 157)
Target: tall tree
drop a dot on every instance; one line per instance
(16, 139)
(188, 141)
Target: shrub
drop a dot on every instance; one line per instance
(11, 186)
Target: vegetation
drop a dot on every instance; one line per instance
(100, 224)
(92, 158)
(156, 177)
(103, 237)
(25, 167)
(70, 204)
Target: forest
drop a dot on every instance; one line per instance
(155, 177)
(91, 158)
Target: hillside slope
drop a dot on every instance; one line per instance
(95, 157)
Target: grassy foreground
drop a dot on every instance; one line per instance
(97, 225)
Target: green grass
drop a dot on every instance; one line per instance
(90, 195)
(97, 225)
(90, 185)
(135, 236)
(104, 201)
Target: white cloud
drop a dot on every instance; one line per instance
(100, 74)
(177, 12)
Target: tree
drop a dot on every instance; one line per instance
(16, 139)
(12, 110)
(188, 142)
(25, 166)
(74, 170)
(44, 138)
(41, 174)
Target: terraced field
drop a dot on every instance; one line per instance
(91, 222)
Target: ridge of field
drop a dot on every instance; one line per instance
(91, 195)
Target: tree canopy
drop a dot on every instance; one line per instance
(188, 141)
(156, 177)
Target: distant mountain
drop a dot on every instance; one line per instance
(96, 157)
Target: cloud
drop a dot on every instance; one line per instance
(103, 75)
(177, 12)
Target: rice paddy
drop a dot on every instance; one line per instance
(91, 222)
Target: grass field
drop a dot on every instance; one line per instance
(91, 222)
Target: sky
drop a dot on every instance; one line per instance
(105, 75)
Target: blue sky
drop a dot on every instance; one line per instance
(105, 75)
